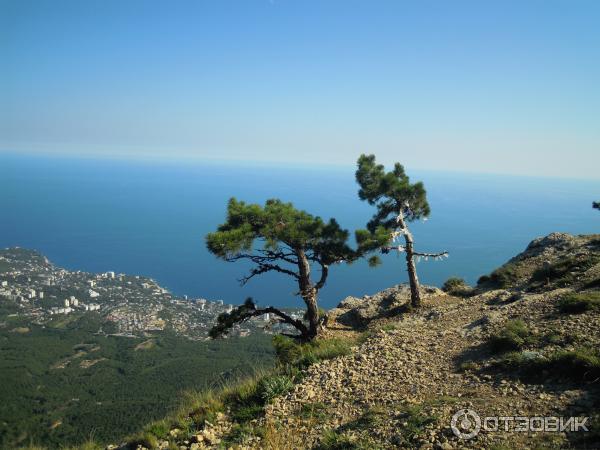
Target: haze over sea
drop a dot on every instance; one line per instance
(150, 218)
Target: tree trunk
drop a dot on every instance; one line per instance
(308, 294)
(415, 293)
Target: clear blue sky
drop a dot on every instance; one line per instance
(505, 86)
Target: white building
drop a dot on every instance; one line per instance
(67, 302)
(4, 283)
(41, 295)
(93, 294)
(110, 274)
(74, 302)
(92, 283)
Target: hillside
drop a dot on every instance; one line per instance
(523, 343)
(119, 355)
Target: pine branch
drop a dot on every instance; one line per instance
(245, 312)
(264, 268)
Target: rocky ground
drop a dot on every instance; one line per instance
(411, 371)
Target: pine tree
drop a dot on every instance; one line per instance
(277, 237)
(398, 202)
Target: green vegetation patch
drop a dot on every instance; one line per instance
(457, 287)
(501, 278)
(579, 303)
(302, 355)
(336, 440)
(513, 336)
(580, 364)
(414, 421)
(115, 397)
(564, 272)
(313, 411)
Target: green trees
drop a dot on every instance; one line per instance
(596, 205)
(279, 238)
(398, 201)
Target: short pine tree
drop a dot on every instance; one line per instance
(398, 201)
(277, 237)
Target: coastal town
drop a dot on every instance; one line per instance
(128, 305)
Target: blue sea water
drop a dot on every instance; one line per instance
(150, 218)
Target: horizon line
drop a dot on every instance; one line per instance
(148, 158)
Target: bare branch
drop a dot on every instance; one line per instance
(324, 273)
(248, 310)
(266, 267)
(432, 255)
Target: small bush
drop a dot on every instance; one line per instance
(334, 440)
(302, 355)
(200, 407)
(315, 410)
(503, 277)
(244, 414)
(159, 429)
(456, 286)
(467, 366)
(271, 387)
(513, 336)
(579, 303)
(144, 439)
(389, 327)
(581, 363)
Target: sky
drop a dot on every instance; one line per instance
(493, 87)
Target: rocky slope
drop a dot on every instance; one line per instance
(523, 343)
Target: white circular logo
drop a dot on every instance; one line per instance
(465, 424)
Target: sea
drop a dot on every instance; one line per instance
(151, 217)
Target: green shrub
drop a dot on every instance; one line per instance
(315, 410)
(456, 286)
(389, 327)
(302, 355)
(144, 439)
(334, 440)
(274, 386)
(579, 303)
(581, 363)
(503, 277)
(467, 366)
(243, 414)
(513, 336)
(159, 429)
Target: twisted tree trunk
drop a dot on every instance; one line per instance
(308, 294)
(415, 293)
